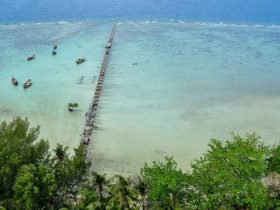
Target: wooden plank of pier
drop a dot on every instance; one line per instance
(86, 136)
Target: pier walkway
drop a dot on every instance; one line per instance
(86, 136)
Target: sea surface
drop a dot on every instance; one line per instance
(170, 87)
(253, 11)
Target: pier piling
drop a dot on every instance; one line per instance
(90, 115)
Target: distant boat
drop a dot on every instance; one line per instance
(80, 60)
(27, 84)
(29, 58)
(54, 46)
(14, 81)
(53, 53)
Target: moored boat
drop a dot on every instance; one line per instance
(14, 81)
(54, 46)
(27, 84)
(29, 58)
(53, 52)
(80, 60)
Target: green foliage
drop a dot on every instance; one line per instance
(274, 185)
(29, 177)
(274, 161)
(73, 105)
(239, 174)
(142, 190)
(89, 200)
(18, 146)
(165, 183)
(272, 182)
(122, 194)
(230, 175)
(100, 185)
(70, 173)
(34, 187)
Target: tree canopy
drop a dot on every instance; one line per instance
(241, 173)
(230, 174)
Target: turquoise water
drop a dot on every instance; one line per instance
(192, 82)
(170, 86)
(54, 78)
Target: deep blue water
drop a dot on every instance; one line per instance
(261, 11)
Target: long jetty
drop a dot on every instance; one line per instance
(86, 136)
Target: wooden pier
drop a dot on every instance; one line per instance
(86, 136)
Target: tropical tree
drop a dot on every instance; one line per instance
(122, 194)
(19, 145)
(34, 187)
(273, 179)
(70, 173)
(241, 173)
(141, 188)
(230, 175)
(60, 153)
(72, 106)
(274, 160)
(166, 184)
(100, 184)
(89, 200)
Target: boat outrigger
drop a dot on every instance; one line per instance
(29, 58)
(27, 84)
(80, 60)
(14, 81)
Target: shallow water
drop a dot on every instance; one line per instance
(174, 86)
(55, 78)
(169, 89)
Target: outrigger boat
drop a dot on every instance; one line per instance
(14, 81)
(29, 58)
(80, 60)
(27, 84)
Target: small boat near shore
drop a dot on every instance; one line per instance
(14, 81)
(80, 60)
(53, 52)
(55, 46)
(29, 58)
(27, 84)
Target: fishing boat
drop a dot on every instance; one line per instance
(54, 46)
(27, 84)
(80, 60)
(29, 58)
(14, 81)
(53, 53)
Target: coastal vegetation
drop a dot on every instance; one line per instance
(72, 106)
(241, 173)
